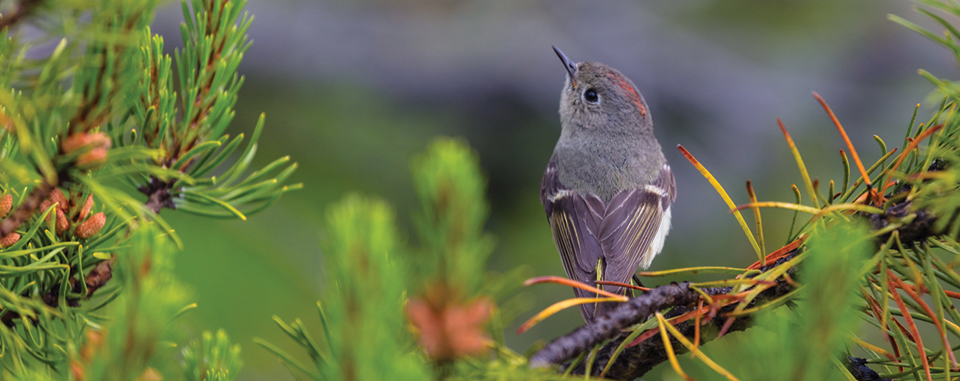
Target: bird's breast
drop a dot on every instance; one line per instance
(600, 170)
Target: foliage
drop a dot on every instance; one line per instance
(212, 358)
(88, 117)
(442, 287)
(454, 209)
(140, 316)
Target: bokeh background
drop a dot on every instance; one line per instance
(352, 89)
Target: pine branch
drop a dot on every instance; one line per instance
(635, 361)
(606, 327)
(638, 360)
(921, 228)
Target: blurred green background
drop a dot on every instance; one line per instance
(351, 89)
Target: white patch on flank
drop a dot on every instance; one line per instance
(561, 194)
(657, 245)
(655, 189)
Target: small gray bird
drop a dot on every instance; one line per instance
(607, 189)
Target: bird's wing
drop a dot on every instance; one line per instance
(575, 221)
(633, 227)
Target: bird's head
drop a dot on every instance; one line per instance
(598, 98)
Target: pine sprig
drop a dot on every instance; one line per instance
(85, 282)
(215, 40)
(212, 358)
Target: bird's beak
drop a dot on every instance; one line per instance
(569, 65)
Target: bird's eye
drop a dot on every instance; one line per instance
(591, 96)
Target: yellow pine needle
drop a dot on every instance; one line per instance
(765, 306)
(770, 275)
(815, 212)
(573, 283)
(619, 284)
(778, 204)
(803, 168)
(559, 306)
(756, 216)
(693, 349)
(871, 347)
(668, 347)
(703, 295)
(693, 270)
(953, 326)
(731, 282)
(725, 196)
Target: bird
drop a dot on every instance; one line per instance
(607, 189)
